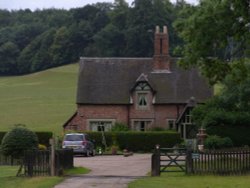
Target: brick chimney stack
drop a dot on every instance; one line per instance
(161, 54)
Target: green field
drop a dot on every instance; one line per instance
(175, 180)
(8, 178)
(42, 101)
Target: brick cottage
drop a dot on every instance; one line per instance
(140, 92)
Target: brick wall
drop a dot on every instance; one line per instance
(124, 114)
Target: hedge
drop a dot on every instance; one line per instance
(137, 141)
(238, 134)
(43, 137)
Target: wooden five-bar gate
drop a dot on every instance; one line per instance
(220, 162)
(168, 160)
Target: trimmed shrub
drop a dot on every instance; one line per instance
(137, 141)
(157, 129)
(19, 139)
(216, 142)
(43, 137)
(238, 134)
(119, 127)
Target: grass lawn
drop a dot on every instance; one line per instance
(8, 179)
(42, 101)
(179, 180)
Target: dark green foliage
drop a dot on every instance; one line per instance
(228, 114)
(137, 141)
(119, 127)
(157, 129)
(2, 135)
(238, 135)
(216, 142)
(19, 139)
(43, 137)
(215, 33)
(34, 41)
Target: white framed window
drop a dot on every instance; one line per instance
(171, 124)
(188, 117)
(100, 124)
(142, 96)
(141, 125)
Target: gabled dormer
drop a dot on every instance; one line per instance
(142, 94)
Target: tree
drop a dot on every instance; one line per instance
(216, 33)
(8, 58)
(228, 114)
(18, 140)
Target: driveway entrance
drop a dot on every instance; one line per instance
(109, 171)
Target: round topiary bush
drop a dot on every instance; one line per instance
(18, 140)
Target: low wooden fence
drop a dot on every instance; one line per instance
(38, 163)
(220, 162)
(227, 162)
(8, 160)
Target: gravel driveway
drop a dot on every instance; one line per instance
(109, 171)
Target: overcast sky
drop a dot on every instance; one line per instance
(66, 4)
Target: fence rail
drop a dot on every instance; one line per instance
(38, 163)
(8, 160)
(218, 162)
(227, 162)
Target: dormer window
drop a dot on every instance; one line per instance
(142, 95)
(142, 99)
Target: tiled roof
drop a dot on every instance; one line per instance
(109, 81)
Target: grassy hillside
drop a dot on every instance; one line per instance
(43, 101)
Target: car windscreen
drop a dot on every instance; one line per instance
(73, 138)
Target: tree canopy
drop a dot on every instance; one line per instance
(31, 41)
(216, 33)
(18, 140)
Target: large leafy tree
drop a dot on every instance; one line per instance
(216, 33)
(228, 114)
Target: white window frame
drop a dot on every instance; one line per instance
(168, 124)
(148, 124)
(146, 98)
(107, 128)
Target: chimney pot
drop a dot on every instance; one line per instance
(165, 29)
(157, 29)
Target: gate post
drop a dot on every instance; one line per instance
(52, 157)
(189, 162)
(155, 162)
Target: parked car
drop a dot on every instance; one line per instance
(80, 143)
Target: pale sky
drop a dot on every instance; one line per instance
(66, 4)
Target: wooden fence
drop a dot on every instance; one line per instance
(227, 162)
(38, 163)
(220, 162)
(8, 160)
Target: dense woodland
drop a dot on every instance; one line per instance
(31, 41)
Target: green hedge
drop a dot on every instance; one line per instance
(137, 141)
(43, 137)
(238, 134)
(1, 136)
